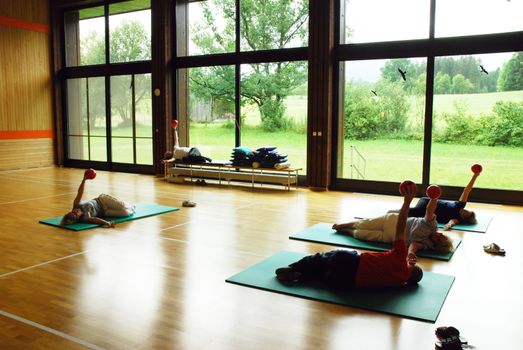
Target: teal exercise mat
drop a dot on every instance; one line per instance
(483, 221)
(421, 302)
(323, 233)
(143, 210)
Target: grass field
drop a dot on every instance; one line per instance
(386, 160)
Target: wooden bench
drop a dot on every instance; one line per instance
(222, 171)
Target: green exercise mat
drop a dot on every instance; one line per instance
(483, 221)
(323, 233)
(143, 210)
(421, 302)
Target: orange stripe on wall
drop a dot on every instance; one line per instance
(26, 134)
(17, 23)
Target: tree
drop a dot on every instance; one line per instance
(368, 116)
(511, 76)
(128, 42)
(442, 84)
(265, 24)
(461, 85)
(390, 71)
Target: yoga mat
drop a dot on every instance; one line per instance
(483, 221)
(143, 210)
(323, 233)
(421, 302)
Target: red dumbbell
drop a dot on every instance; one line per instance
(406, 184)
(90, 174)
(476, 168)
(434, 191)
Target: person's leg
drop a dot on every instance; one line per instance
(368, 235)
(418, 211)
(345, 226)
(389, 227)
(313, 266)
(115, 207)
(373, 224)
(341, 269)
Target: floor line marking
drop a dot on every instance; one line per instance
(41, 264)
(51, 330)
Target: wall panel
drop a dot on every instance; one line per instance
(26, 112)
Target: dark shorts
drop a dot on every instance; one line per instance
(336, 268)
(419, 210)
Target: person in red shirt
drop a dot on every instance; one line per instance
(343, 268)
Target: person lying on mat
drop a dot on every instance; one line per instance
(450, 212)
(421, 233)
(186, 154)
(348, 269)
(95, 210)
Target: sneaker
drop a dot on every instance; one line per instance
(449, 338)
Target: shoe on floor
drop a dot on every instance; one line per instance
(448, 339)
(188, 204)
(493, 248)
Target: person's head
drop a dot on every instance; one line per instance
(168, 155)
(415, 274)
(72, 217)
(441, 243)
(467, 217)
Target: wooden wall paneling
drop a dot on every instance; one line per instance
(35, 11)
(26, 113)
(25, 84)
(26, 153)
(161, 79)
(321, 43)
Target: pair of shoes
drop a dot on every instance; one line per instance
(493, 248)
(449, 338)
(287, 274)
(200, 182)
(188, 204)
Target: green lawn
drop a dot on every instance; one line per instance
(386, 160)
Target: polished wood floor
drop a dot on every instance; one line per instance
(159, 282)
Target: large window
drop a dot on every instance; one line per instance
(383, 119)
(377, 20)
(109, 109)
(224, 100)
(427, 95)
(86, 132)
(469, 17)
(478, 118)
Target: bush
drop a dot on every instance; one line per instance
(504, 127)
(369, 117)
(507, 125)
(460, 128)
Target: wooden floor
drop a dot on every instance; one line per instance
(159, 282)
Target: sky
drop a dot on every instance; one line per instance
(385, 20)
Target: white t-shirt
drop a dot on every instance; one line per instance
(180, 152)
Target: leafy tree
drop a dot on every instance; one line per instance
(511, 76)
(128, 42)
(461, 85)
(442, 83)
(265, 24)
(368, 116)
